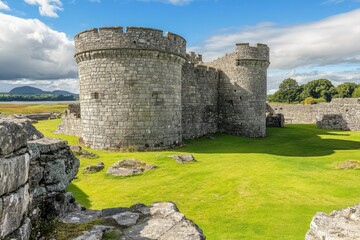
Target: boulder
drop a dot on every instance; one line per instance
(79, 152)
(343, 224)
(75, 148)
(14, 172)
(14, 134)
(183, 158)
(94, 168)
(161, 221)
(95, 233)
(129, 167)
(12, 210)
(348, 164)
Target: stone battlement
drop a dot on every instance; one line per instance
(110, 38)
(259, 52)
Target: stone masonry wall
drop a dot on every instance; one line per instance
(199, 100)
(71, 121)
(130, 87)
(242, 90)
(34, 172)
(138, 87)
(341, 114)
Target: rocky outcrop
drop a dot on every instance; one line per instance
(343, 224)
(34, 172)
(128, 167)
(160, 221)
(94, 168)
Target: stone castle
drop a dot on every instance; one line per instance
(139, 87)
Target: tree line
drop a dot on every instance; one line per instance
(320, 90)
(6, 97)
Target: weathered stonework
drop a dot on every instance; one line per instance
(139, 88)
(71, 121)
(34, 172)
(339, 225)
(340, 113)
(242, 90)
(130, 87)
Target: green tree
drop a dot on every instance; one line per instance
(345, 90)
(289, 91)
(320, 88)
(356, 93)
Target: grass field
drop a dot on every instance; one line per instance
(240, 188)
(32, 108)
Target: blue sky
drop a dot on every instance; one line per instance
(309, 39)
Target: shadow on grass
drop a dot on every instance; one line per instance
(293, 140)
(81, 197)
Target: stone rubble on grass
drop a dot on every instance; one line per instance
(184, 158)
(94, 168)
(95, 233)
(129, 167)
(160, 221)
(348, 164)
(339, 225)
(79, 152)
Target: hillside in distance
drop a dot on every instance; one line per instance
(27, 90)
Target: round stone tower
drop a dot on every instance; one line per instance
(242, 90)
(130, 87)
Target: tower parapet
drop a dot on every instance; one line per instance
(259, 52)
(106, 38)
(242, 90)
(130, 87)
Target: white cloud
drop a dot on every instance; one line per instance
(30, 50)
(47, 8)
(4, 6)
(330, 41)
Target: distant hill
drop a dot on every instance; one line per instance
(62, 92)
(26, 90)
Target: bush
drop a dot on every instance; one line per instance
(311, 100)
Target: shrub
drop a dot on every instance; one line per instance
(311, 100)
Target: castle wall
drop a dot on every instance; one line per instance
(71, 121)
(341, 114)
(130, 87)
(139, 88)
(199, 100)
(242, 90)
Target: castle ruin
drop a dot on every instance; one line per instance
(138, 87)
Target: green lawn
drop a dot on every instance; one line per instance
(240, 188)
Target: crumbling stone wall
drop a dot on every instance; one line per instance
(343, 114)
(34, 172)
(71, 121)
